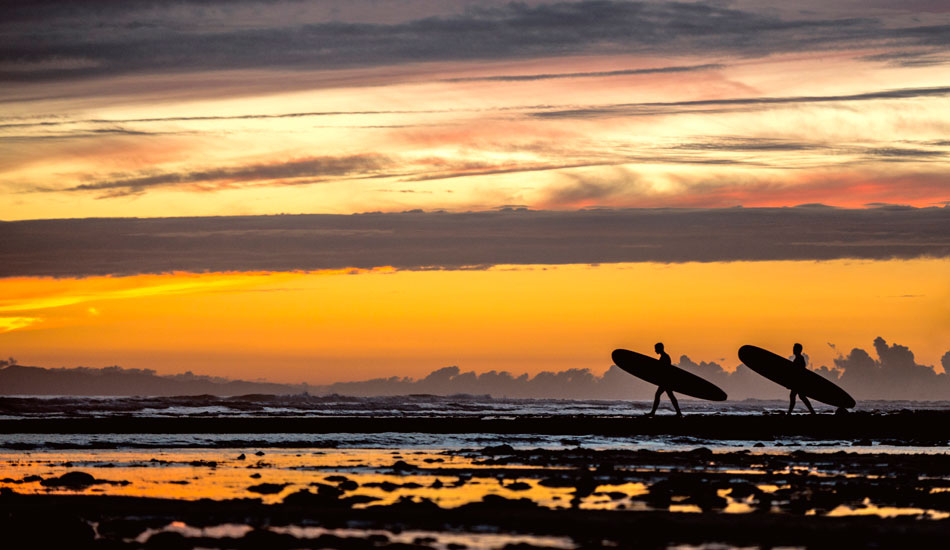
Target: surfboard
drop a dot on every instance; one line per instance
(670, 377)
(806, 382)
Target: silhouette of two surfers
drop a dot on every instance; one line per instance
(666, 362)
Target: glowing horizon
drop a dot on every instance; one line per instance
(329, 327)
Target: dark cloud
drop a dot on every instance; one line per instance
(680, 107)
(258, 116)
(287, 173)
(915, 58)
(441, 240)
(317, 170)
(84, 134)
(740, 144)
(103, 37)
(596, 190)
(600, 74)
(893, 376)
(903, 153)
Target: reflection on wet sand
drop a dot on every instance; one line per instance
(695, 481)
(445, 498)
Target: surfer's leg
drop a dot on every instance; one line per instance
(675, 404)
(656, 401)
(791, 402)
(807, 404)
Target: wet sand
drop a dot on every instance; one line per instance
(570, 498)
(119, 522)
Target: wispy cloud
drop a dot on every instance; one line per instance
(598, 74)
(703, 105)
(283, 173)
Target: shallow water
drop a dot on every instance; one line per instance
(393, 440)
(12, 407)
(453, 477)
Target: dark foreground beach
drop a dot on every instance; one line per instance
(860, 480)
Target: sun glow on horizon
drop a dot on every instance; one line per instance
(352, 324)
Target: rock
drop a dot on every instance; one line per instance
(263, 538)
(168, 540)
(555, 481)
(71, 480)
(408, 503)
(701, 452)
(124, 528)
(497, 502)
(327, 490)
(387, 486)
(504, 449)
(267, 488)
(402, 466)
(46, 530)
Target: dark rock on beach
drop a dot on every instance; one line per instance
(267, 488)
(77, 480)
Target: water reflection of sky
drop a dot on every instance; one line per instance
(449, 479)
(394, 440)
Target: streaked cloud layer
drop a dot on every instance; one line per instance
(259, 107)
(444, 240)
(199, 35)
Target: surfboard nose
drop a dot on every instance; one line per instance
(744, 353)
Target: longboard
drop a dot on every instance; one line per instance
(806, 382)
(670, 377)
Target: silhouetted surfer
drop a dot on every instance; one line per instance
(666, 362)
(799, 362)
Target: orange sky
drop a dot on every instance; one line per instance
(201, 109)
(325, 327)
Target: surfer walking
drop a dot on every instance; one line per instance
(799, 362)
(667, 362)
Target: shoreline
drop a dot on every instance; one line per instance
(924, 427)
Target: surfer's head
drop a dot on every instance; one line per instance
(797, 349)
(658, 347)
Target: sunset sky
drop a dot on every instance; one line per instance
(511, 186)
